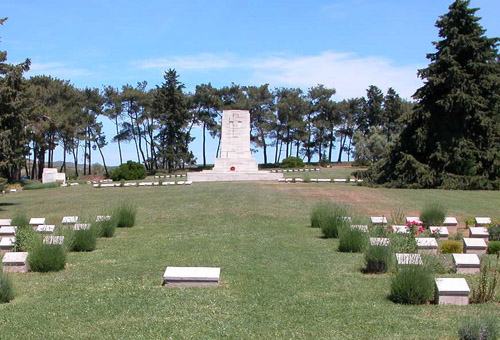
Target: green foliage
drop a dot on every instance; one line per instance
(106, 228)
(412, 284)
(20, 219)
(26, 237)
(398, 217)
(6, 289)
(321, 214)
(307, 178)
(470, 222)
(456, 237)
(451, 247)
(36, 185)
(292, 162)
(488, 281)
(124, 215)
(84, 240)
(438, 264)
(403, 243)
(378, 259)
(352, 240)
(479, 329)
(3, 184)
(46, 257)
(433, 214)
(129, 171)
(494, 233)
(493, 247)
(329, 218)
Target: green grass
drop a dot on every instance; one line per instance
(280, 279)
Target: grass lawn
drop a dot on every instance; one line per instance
(279, 278)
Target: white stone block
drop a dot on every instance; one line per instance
(288, 179)
(427, 245)
(479, 232)
(450, 221)
(442, 231)
(324, 180)
(74, 184)
(81, 226)
(69, 220)
(5, 222)
(46, 228)
(146, 184)
(191, 276)
(467, 263)
(340, 180)
(13, 190)
(7, 243)
(281, 179)
(102, 218)
(361, 227)
(379, 220)
(53, 240)
(314, 180)
(400, 229)
(379, 241)
(480, 221)
(180, 182)
(413, 219)
(188, 182)
(404, 259)
(452, 291)
(8, 231)
(37, 221)
(15, 262)
(474, 246)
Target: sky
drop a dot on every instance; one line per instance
(347, 45)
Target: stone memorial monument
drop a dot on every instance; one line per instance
(235, 162)
(50, 175)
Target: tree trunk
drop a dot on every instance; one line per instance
(218, 148)
(342, 144)
(103, 160)
(349, 150)
(75, 159)
(203, 144)
(41, 162)
(118, 140)
(63, 165)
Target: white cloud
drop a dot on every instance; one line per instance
(348, 73)
(58, 70)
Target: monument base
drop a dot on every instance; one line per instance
(216, 176)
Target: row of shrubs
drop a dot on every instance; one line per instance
(48, 257)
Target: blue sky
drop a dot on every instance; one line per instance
(347, 45)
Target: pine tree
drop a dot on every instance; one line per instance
(453, 134)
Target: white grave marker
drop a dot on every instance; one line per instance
(379, 241)
(427, 245)
(414, 219)
(442, 231)
(45, 228)
(405, 259)
(467, 263)
(452, 291)
(191, 276)
(37, 221)
(81, 226)
(481, 221)
(474, 246)
(15, 262)
(379, 220)
(53, 240)
(361, 227)
(450, 222)
(7, 231)
(102, 218)
(70, 220)
(400, 229)
(5, 222)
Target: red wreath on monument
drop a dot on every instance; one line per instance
(233, 168)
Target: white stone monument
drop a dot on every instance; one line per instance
(235, 162)
(191, 276)
(50, 175)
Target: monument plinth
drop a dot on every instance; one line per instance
(235, 162)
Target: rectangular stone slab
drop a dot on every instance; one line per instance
(46, 228)
(37, 220)
(413, 219)
(379, 220)
(467, 263)
(102, 218)
(15, 258)
(478, 232)
(404, 259)
(363, 228)
(482, 220)
(474, 246)
(8, 231)
(450, 221)
(443, 231)
(379, 241)
(55, 240)
(69, 219)
(452, 291)
(191, 275)
(426, 242)
(400, 229)
(81, 226)
(5, 222)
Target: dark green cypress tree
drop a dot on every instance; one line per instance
(452, 137)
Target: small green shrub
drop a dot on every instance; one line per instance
(378, 259)
(403, 243)
(25, 238)
(106, 228)
(488, 281)
(451, 247)
(433, 214)
(47, 257)
(6, 289)
(329, 218)
(84, 240)
(307, 178)
(124, 215)
(129, 171)
(476, 329)
(352, 240)
(292, 162)
(412, 284)
(398, 217)
(20, 220)
(36, 185)
(438, 264)
(470, 222)
(494, 233)
(493, 247)
(456, 237)
(321, 214)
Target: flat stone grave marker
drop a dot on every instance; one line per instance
(339, 180)
(46, 228)
(7, 231)
(347, 218)
(296, 180)
(191, 276)
(361, 227)
(324, 180)
(5, 222)
(400, 229)
(442, 231)
(70, 219)
(13, 190)
(81, 226)
(380, 241)
(15, 262)
(450, 222)
(315, 180)
(452, 291)
(427, 245)
(6, 244)
(53, 240)
(37, 221)
(474, 246)
(102, 218)
(479, 232)
(481, 221)
(413, 219)
(405, 259)
(379, 220)
(467, 263)
(146, 184)
(180, 183)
